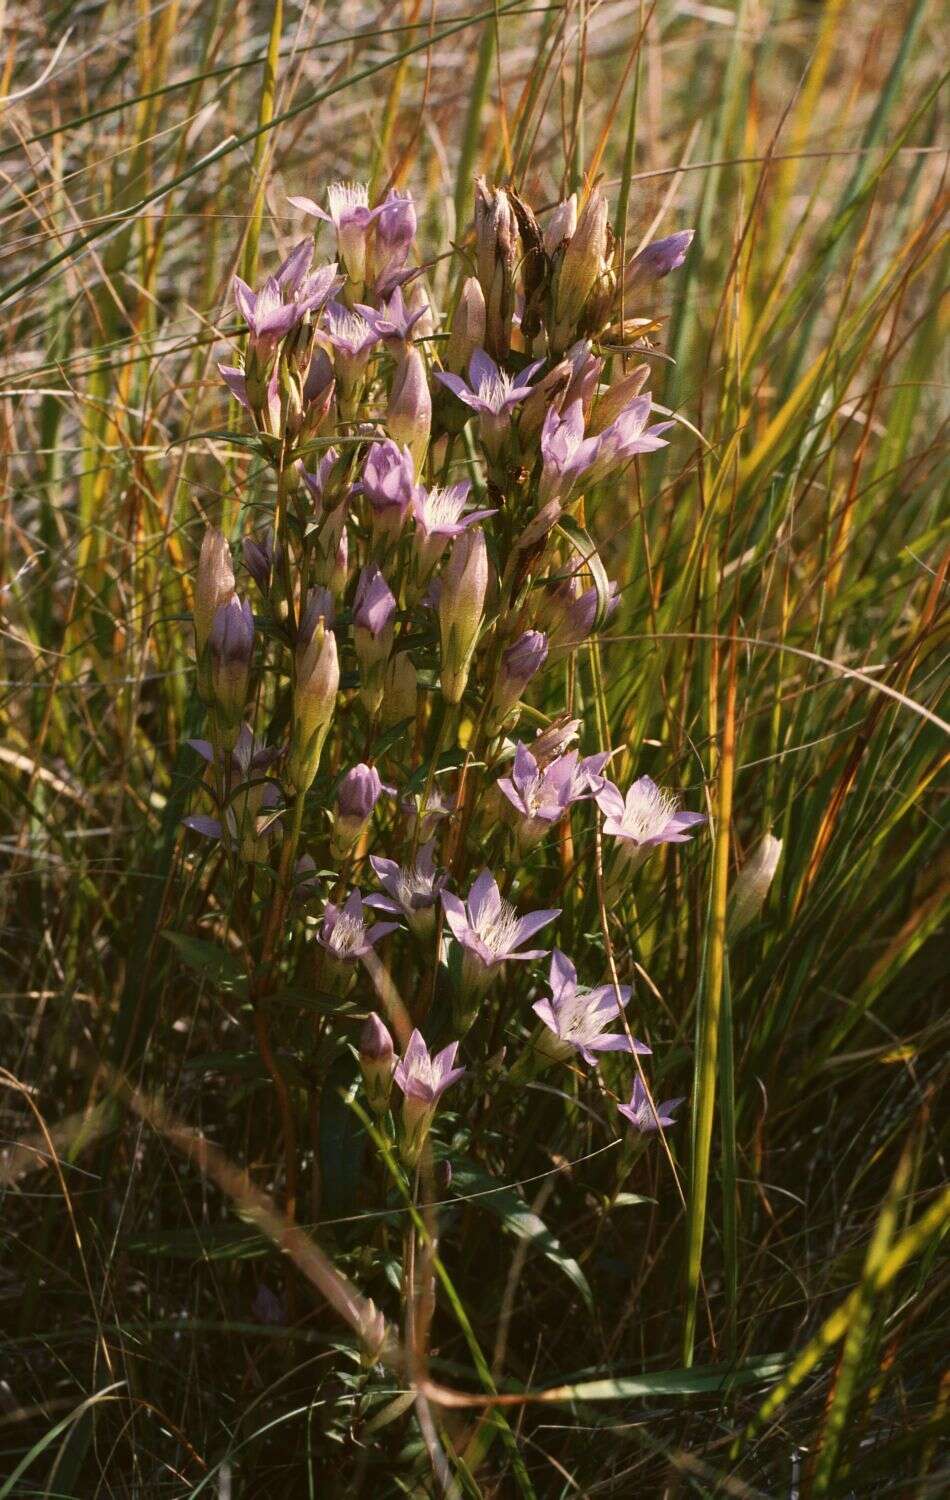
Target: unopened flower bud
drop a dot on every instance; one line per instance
(409, 414)
(468, 328)
(442, 1175)
(315, 691)
(400, 691)
(373, 1335)
(331, 554)
(561, 226)
(518, 665)
(461, 604)
(617, 399)
(655, 261)
(214, 586)
(395, 231)
(496, 259)
(377, 1060)
(357, 795)
(584, 260)
(747, 897)
(374, 615)
(534, 407)
(231, 648)
(259, 558)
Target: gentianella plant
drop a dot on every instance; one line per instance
(416, 584)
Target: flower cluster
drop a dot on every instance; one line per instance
(411, 601)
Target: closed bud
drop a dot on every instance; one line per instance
(461, 605)
(655, 261)
(214, 586)
(616, 400)
(377, 1060)
(231, 649)
(748, 895)
(582, 266)
(357, 795)
(534, 407)
(400, 691)
(561, 225)
(374, 617)
(373, 1335)
(467, 332)
(496, 259)
(409, 414)
(317, 670)
(331, 554)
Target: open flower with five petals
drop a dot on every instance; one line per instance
(578, 1019)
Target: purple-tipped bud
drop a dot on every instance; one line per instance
(395, 231)
(231, 648)
(377, 1060)
(518, 665)
(496, 261)
(357, 795)
(389, 484)
(467, 332)
(461, 605)
(409, 413)
(374, 616)
(317, 672)
(259, 560)
(656, 260)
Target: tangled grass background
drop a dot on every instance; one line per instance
(254, 1241)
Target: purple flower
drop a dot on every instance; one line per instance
(657, 259)
(248, 817)
(542, 796)
(231, 648)
(267, 315)
(519, 663)
(348, 332)
(438, 514)
(490, 392)
(578, 1019)
(565, 452)
(259, 559)
(642, 1114)
(394, 322)
(627, 435)
(423, 1079)
(647, 816)
(389, 483)
(344, 934)
(490, 931)
(411, 892)
(351, 217)
(424, 1076)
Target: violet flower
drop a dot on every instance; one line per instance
(412, 891)
(490, 392)
(352, 341)
(423, 1078)
(249, 816)
(439, 517)
(344, 935)
(374, 615)
(577, 1020)
(543, 796)
(394, 322)
(645, 817)
(351, 217)
(318, 482)
(570, 611)
(490, 932)
(642, 1114)
(377, 1059)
